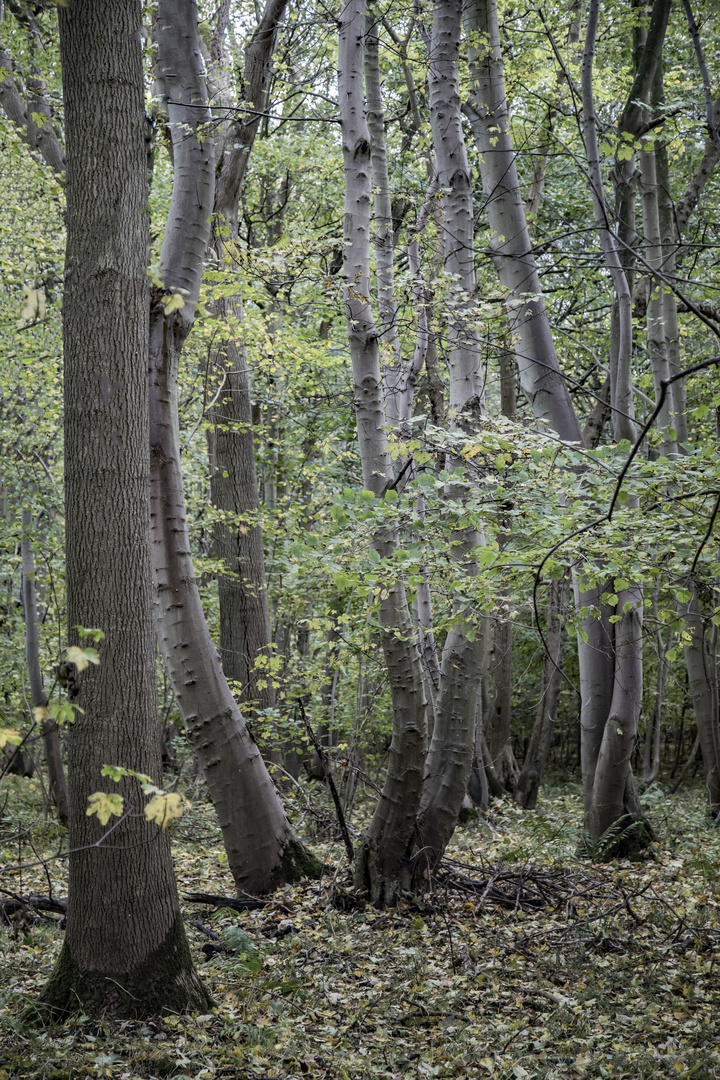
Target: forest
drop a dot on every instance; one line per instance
(359, 424)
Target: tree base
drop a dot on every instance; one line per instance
(165, 982)
(380, 883)
(627, 838)
(297, 862)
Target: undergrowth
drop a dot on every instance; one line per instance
(525, 962)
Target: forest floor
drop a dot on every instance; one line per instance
(525, 962)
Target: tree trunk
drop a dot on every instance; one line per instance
(502, 757)
(536, 359)
(528, 784)
(245, 633)
(382, 866)
(614, 821)
(451, 751)
(654, 257)
(261, 847)
(701, 662)
(653, 733)
(48, 728)
(125, 950)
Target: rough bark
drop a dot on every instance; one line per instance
(262, 850)
(125, 950)
(38, 697)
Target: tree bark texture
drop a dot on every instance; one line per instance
(125, 950)
(612, 822)
(261, 847)
(497, 729)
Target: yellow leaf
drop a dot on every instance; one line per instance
(9, 735)
(81, 658)
(104, 806)
(164, 808)
(173, 303)
(41, 714)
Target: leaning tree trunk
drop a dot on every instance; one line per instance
(48, 727)
(382, 866)
(511, 250)
(125, 950)
(261, 847)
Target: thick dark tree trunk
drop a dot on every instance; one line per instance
(125, 950)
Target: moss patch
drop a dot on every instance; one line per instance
(297, 862)
(165, 982)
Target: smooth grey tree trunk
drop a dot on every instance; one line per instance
(537, 363)
(261, 847)
(383, 861)
(451, 751)
(550, 400)
(125, 950)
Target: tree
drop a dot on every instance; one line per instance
(262, 849)
(125, 949)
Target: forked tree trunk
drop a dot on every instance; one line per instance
(261, 847)
(614, 824)
(125, 950)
